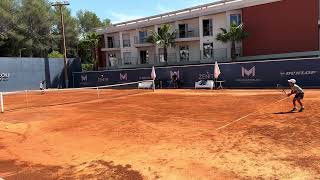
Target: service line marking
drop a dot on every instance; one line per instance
(230, 123)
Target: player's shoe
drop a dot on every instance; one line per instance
(294, 109)
(302, 109)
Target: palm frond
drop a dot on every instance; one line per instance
(164, 36)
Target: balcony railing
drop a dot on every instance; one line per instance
(113, 44)
(126, 43)
(159, 58)
(214, 55)
(187, 34)
(220, 55)
(140, 40)
(130, 61)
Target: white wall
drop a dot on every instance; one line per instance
(218, 21)
(132, 49)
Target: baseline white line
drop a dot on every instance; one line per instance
(222, 127)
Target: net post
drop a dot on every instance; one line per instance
(1, 99)
(26, 96)
(98, 94)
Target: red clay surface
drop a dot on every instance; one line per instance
(169, 134)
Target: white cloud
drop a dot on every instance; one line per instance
(161, 8)
(198, 2)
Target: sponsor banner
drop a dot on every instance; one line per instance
(25, 73)
(4, 76)
(262, 74)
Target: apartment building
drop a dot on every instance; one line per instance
(275, 27)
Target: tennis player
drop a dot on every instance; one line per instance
(41, 87)
(299, 94)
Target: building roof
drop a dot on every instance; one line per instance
(188, 13)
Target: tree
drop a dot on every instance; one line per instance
(8, 36)
(235, 34)
(90, 42)
(106, 22)
(89, 20)
(71, 29)
(35, 22)
(165, 37)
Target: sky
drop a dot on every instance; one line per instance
(124, 10)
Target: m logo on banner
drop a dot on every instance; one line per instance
(177, 72)
(84, 78)
(123, 76)
(250, 72)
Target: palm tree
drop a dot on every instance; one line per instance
(165, 37)
(93, 39)
(235, 34)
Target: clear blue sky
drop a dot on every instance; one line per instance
(123, 10)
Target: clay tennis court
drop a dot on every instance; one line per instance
(168, 134)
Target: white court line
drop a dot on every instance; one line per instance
(222, 127)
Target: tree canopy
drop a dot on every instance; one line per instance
(33, 28)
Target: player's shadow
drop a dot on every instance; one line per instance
(287, 112)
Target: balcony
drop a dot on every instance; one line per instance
(141, 42)
(220, 55)
(129, 61)
(112, 46)
(159, 58)
(189, 35)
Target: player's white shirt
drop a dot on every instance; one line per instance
(296, 89)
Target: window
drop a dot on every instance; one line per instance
(126, 40)
(207, 50)
(207, 27)
(112, 59)
(144, 57)
(161, 55)
(184, 53)
(127, 58)
(183, 30)
(110, 42)
(235, 18)
(143, 36)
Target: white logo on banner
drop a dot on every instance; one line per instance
(4, 76)
(206, 76)
(84, 78)
(250, 72)
(123, 76)
(177, 72)
(298, 73)
(101, 79)
(248, 75)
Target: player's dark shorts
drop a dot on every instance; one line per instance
(299, 96)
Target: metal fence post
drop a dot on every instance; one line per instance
(1, 100)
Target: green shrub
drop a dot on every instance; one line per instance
(87, 67)
(55, 54)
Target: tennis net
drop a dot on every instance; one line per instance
(53, 97)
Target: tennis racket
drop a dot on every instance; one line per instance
(281, 88)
